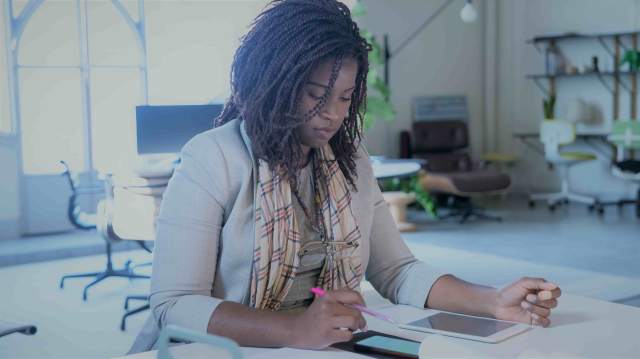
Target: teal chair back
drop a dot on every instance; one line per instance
(173, 332)
(625, 134)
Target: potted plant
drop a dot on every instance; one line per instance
(548, 106)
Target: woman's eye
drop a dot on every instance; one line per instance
(314, 96)
(345, 99)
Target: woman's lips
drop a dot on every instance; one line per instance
(324, 133)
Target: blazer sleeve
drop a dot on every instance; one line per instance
(393, 270)
(188, 231)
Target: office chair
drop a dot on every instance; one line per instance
(136, 205)
(449, 169)
(77, 217)
(625, 136)
(554, 134)
(104, 219)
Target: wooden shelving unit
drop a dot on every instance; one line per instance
(613, 43)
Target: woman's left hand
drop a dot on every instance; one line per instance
(528, 300)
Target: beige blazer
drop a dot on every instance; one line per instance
(205, 236)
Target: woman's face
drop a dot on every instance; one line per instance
(318, 130)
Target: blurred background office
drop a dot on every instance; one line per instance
(505, 133)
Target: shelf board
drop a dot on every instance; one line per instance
(602, 73)
(575, 35)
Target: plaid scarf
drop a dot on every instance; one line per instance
(277, 238)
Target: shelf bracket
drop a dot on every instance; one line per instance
(606, 47)
(541, 86)
(605, 84)
(624, 85)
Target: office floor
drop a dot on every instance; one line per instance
(586, 255)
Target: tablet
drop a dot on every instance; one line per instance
(466, 327)
(395, 347)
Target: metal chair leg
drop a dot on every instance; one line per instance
(84, 275)
(132, 312)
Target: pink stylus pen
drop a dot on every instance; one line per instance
(321, 293)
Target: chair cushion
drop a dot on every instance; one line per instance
(578, 156)
(473, 182)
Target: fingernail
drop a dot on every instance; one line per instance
(535, 316)
(545, 295)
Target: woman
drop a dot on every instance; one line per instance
(280, 198)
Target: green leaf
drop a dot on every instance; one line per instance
(358, 10)
(380, 108)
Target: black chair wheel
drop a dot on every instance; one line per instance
(552, 207)
(532, 204)
(565, 201)
(591, 207)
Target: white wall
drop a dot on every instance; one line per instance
(520, 101)
(446, 58)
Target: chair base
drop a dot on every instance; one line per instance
(565, 195)
(621, 203)
(131, 312)
(463, 208)
(126, 272)
(553, 199)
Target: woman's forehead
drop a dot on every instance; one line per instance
(321, 74)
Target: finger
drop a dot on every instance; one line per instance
(338, 335)
(533, 299)
(346, 296)
(537, 284)
(345, 321)
(552, 303)
(549, 294)
(342, 310)
(541, 321)
(536, 309)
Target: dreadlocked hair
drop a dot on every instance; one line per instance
(273, 63)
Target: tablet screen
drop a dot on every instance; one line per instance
(479, 327)
(391, 345)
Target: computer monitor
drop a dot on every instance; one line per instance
(165, 129)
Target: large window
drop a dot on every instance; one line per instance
(190, 47)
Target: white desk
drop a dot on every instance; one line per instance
(581, 327)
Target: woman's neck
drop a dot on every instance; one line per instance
(306, 156)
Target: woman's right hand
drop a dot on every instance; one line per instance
(320, 325)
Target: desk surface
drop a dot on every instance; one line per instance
(395, 168)
(581, 327)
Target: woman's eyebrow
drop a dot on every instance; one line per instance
(327, 87)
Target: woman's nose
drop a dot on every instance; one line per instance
(330, 110)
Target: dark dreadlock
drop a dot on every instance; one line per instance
(273, 63)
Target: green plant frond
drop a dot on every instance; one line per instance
(379, 85)
(381, 108)
(358, 10)
(411, 185)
